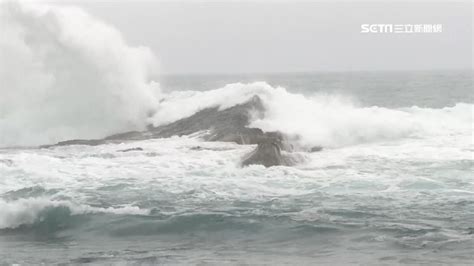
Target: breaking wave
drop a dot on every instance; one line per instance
(323, 119)
(65, 74)
(36, 210)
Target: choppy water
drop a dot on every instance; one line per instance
(406, 198)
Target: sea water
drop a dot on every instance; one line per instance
(393, 185)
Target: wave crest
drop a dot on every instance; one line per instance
(34, 210)
(327, 120)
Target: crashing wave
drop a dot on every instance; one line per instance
(65, 74)
(321, 119)
(34, 210)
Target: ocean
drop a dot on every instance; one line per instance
(393, 184)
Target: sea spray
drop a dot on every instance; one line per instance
(328, 120)
(65, 74)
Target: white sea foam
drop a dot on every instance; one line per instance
(27, 211)
(323, 119)
(65, 74)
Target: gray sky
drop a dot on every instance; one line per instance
(244, 37)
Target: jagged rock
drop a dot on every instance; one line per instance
(223, 125)
(267, 154)
(231, 125)
(220, 125)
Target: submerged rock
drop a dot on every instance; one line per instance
(6, 162)
(132, 149)
(90, 142)
(316, 149)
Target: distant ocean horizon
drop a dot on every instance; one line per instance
(363, 85)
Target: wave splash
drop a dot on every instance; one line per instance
(33, 210)
(322, 119)
(67, 75)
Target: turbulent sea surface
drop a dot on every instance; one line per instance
(394, 184)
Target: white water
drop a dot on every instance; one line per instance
(65, 74)
(323, 119)
(28, 211)
(391, 184)
(72, 174)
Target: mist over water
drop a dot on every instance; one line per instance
(65, 75)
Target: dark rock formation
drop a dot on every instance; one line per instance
(223, 125)
(91, 142)
(220, 125)
(316, 149)
(132, 149)
(231, 125)
(267, 154)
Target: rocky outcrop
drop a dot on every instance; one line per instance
(231, 124)
(267, 154)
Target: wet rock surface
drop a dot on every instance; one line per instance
(230, 125)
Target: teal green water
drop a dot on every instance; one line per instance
(404, 200)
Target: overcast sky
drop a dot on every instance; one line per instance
(245, 37)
